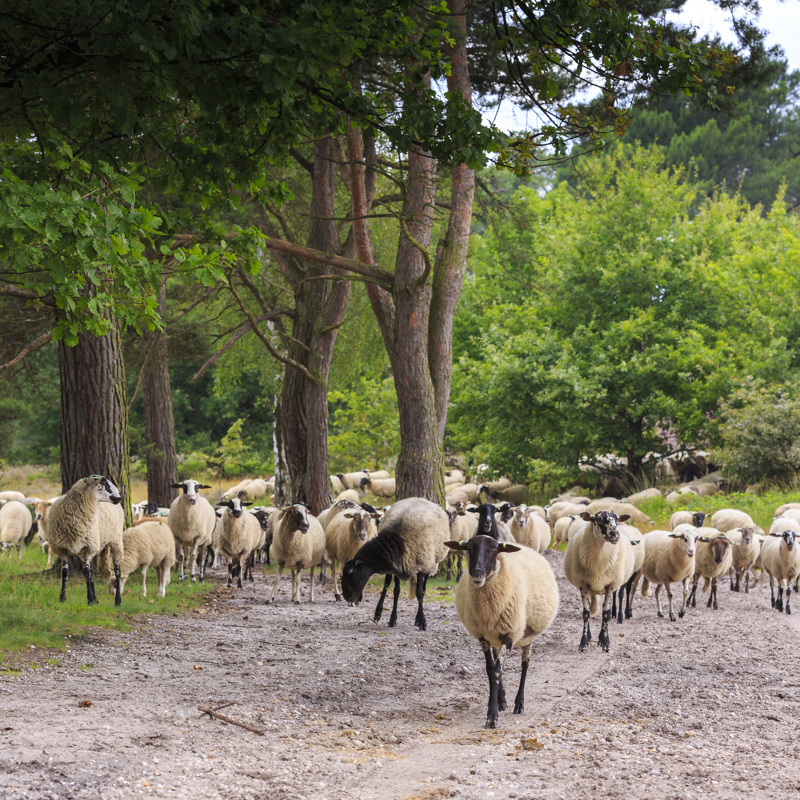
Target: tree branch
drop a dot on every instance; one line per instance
(34, 345)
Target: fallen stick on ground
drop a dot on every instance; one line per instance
(212, 713)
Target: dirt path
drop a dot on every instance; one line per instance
(705, 707)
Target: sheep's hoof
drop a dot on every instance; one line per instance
(491, 721)
(661, 614)
(628, 614)
(338, 597)
(583, 645)
(788, 610)
(194, 579)
(519, 707)
(672, 618)
(296, 602)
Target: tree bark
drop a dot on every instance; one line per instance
(159, 421)
(94, 413)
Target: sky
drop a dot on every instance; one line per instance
(780, 19)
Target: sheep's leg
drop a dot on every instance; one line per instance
(239, 572)
(91, 598)
(619, 615)
(118, 581)
(203, 560)
(182, 565)
(586, 599)
(495, 682)
(448, 566)
(668, 587)
(296, 585)
(460, 563)
(771, 591)
(614, 604)
(419, 621)
(747, 581)
(788, 595)
(658, 601)
(337, 594)
(230, 575)
(519, 700)
(692, 597)
(393, 617)
(603, 640)
(714, 592)
(387, 582)
(193, 559)
(275, 584)
(64, 576)
(49, 557)
(779, 601)
(489, 657)
(144, 580)
(311, 588)
(633, 584)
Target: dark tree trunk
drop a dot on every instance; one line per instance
(94, 412)
(159, 422)
(319, 307)
(281, 494)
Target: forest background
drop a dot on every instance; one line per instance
(641, 299)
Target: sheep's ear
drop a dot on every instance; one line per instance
(347, 515)
(507, 547)
(676, 536)
(472, 507)
(457, 545)
(624, 518)
(634, 542)
(779, 535)
(203, 486)
(703, 539)
(247, 504)
(176, 485)
(586, 516)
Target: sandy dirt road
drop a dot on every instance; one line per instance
(704, 707)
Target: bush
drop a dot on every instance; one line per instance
(760, 433)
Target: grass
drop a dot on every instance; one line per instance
(31, 615)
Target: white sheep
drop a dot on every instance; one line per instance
(637, 541)
(516, 494)
(508, 598)
(562, 528)
(15, 522)
(255, 490)
(714, 558)
(234, 490)
(463, 526)
(79, 525)
(9, 494)
(780, 509)
(191, 520)
(410, 545)
(147, 545)
(380, 487)
(345, 534)
(746, 550)
(726, 519)
(645, 494)
(638, 517)
(530, 529)
(693, 518)
(563, 508)
(298, 542)
(350, 494)
(238, 535)
(467, 493)
(352, 480)
(598, 561)
(781, 560)
(669, 557)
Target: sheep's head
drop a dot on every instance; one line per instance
(482, 554)
(297, 514)
(687, 537)
(698, 518)
(522, 514)
(235, 505)
(604, 524)
(788, 538)
(747, 534)
(506, 511)
(487, 526)
(360, 523)
(355, 574)
(460, 508)
(105, 490)
(719, 546)
(190, 489)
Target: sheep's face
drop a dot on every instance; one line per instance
(486, 522)
(604, 524)
(522, 514)
(506, 512)
(788, 538)
(105, 491)
(719, 547)
(355, 574)
(360, 523)
(263, 517)
(747, 535)
(460, 508)
(235, 505)
(190, 489)
(698, 518)
(687, 540)
(482, 555)
(298, 516)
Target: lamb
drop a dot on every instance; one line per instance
(42, 511)
(530, 529)
(746, 550)
(345, 535)
(238, 535)
(781, 561)
(726, 519)
(714, 558)
(191, 520)
(148, 544)
(379, 487)
(598, 561)
(693, 518)
(298, 542)
(15, 522)
(669, 557)
(509, 598)
(409, 546)
(76, 528)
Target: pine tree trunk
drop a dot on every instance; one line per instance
(159, 422)
(94, 413)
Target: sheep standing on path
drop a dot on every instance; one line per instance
(508, 598)
(669, 557)
(15, 522)
(191, 520)
(76, 528)
(239, 535)
(147, 545)
(345, 535)
(780, 558)
(714, 558)
(598, 561)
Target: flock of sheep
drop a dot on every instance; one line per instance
(509, 595)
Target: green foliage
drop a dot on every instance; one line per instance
(607, 319)
(760, 433)
(365, 428)
(234, 456)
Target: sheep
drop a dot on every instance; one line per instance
(637, 541)
(191, 520)
(499, 485)
(352, 480)
(256, 489)
(693, 518)
(530, 529)
(41, 514)
(379, 487)
(468, 493)
(8, 494)
(781, 561)
(262, 515)
(454, 476)
(409, 546)
(746, 550)
(298, 542)
(76, 528)
(15, 522)
(598, 561)
(239, 534)
(726, 519)
(380, 474)
(669, 557)
(645, 494)
(509, 598)
(147, 544)
(336, 484)
(778, 511)
(345, 534)
(561, 529)
(563, 508)
(349, 494)
(489, 524)
(513, 494)
(639, 518)
(793, 513)
(326, 515)
(714, 558)
(234, 490)
(463, 527)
